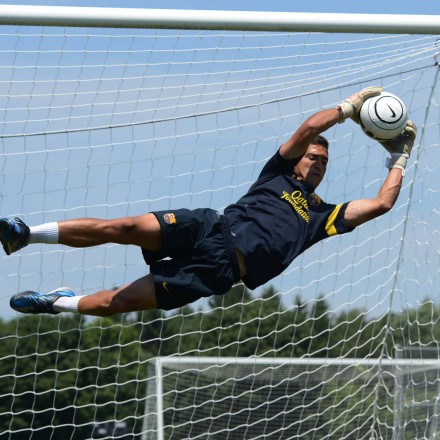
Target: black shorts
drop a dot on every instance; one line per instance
(197, 258)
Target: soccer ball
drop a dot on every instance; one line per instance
(383, 117)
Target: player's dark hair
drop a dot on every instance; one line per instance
(320, 140)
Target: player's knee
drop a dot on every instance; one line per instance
(142, 230)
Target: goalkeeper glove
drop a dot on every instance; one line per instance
(351, 107)
(400, 147)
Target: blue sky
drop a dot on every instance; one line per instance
(349, 6)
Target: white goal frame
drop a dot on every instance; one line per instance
(223, 20)
(153, 426)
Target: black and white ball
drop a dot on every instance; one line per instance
(383, 117)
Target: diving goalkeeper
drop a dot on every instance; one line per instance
(199, 253)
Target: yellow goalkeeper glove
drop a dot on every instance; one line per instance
(400, 147)
(351, 107)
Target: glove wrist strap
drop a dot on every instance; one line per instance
(346, 108)
(397, 160)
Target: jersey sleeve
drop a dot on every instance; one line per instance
(278, 165)
(335, 223)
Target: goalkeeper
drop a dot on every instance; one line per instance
(199, 253)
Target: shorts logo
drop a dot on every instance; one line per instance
(170, 218)
(164, 285)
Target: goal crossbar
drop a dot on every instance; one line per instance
(200, 360)
(217, 20)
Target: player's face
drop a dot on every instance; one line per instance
(312, 166)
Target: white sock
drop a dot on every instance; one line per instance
(45, 233)
(67, 304)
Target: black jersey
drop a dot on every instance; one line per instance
(278, 219)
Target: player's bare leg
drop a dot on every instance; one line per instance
(143, 231)
(136, 296)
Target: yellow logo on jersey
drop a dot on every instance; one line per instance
(298, 202)
(314, 199)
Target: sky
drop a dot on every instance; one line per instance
(338, 6)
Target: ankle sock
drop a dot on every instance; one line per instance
(67, 304)
(45, 233)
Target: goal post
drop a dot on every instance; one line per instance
(267, 390)
(108, 113)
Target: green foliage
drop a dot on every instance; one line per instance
(61, 374)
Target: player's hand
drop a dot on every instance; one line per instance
(400, 147)
(351, 107)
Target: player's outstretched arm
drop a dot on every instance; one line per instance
(361, 211)
(297, 145)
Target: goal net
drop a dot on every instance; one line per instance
(112, 122)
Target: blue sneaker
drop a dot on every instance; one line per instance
(33, 302)
(14, 234)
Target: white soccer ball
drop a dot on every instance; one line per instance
(383, 117)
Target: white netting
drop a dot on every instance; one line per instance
(108, 123)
